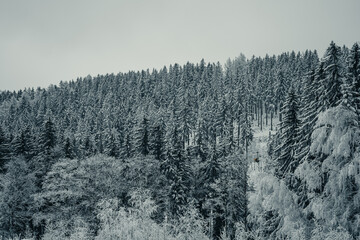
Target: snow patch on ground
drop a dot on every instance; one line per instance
(259, 146)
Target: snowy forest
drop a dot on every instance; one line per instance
(259, 148)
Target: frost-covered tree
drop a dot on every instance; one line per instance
(157, 141)
(201, 147)
(281, 91)
(353, 64)
(308, 111)
(288, 135)
(112, 143)
(191, 226)
(68, 149)
(73, 187)
(176, 169)
(17, 187)
(131, 223)
(333, 70)
(353, 75)
(4, 150)
(231, 192)
(141, 137)
(331, 174)
(273, 210)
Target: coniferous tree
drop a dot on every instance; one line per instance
(23, 144)
(68, 151)
(288, 135)
(4, 151)
(176, 170)
(46, 153)
(157, 143)
(201, 140)
(333, 76)
(141, 137)
(353, 72)
(16, 198)
(112, 143)
(280, 92)
(47, 139)
(308, 112)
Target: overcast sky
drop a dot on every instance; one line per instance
(44, 42)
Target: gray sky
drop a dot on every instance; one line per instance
(44, 42)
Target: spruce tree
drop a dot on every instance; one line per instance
(4, 150)
(157, 143)
(307, 114)
(280, 92)
(201, 140)
(47, 139)
(23, 144)
(141, 137)
(353, 73)
(46, 153)
(176, 170)
(288, 135)
(333, 76)
(68, 151)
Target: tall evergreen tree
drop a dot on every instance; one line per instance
(280, 92)
(141, 137)
(46, 153)
(333, 71)
(23, 144)
(157, 143)
(68, 151)
(353, 72)
(288, 135)
(47, 139)
(4, 150)
(308, 112)
(176, 170)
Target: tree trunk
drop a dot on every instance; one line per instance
(266, 114)
(261, 116)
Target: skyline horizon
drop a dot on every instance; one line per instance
(45, 42)
(171, 64)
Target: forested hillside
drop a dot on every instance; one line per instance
(163, 154)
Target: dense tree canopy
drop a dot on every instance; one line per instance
(95, 157)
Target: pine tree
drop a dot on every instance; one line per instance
(141, 137)
(201, 140)
(46, 156)
(68, 151)
(308, 111)
(47, 139)
(353, 73)
(288, 135)
(333, 76)
(246, 132)
(157, 143)
(280, 92)
(176, 170)
(4, 151)
(112, 143)
(23, 144)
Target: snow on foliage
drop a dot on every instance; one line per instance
(271, 195)
(331, 173)
(334, 133)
